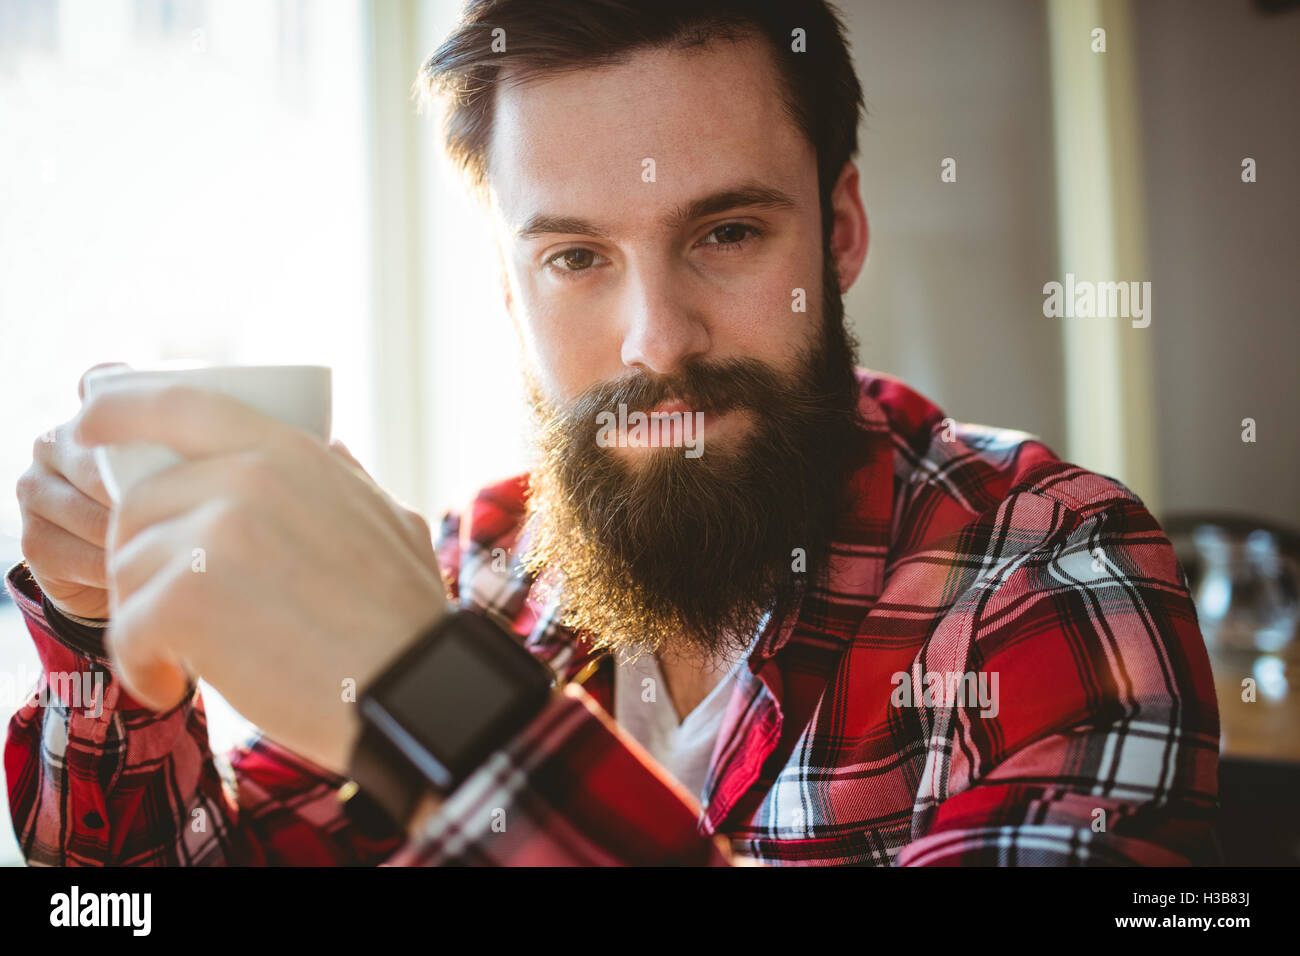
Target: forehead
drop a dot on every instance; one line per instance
(575, 142)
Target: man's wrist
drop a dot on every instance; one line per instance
(410, 751)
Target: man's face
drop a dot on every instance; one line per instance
(660, 231)
(610, 273)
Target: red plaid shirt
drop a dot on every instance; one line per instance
(848, 738)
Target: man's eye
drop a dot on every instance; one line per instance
(573, 260)
(730, 234)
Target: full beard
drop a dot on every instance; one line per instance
(669, 552)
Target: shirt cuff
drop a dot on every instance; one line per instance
(85, 640)
(98, 622)
(566, 792)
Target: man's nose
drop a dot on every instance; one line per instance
(663, 327)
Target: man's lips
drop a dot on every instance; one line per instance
(673, 406)
(674, 422)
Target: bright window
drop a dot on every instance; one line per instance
(179, 180)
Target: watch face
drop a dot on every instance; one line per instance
(449, 699)
(457, 695)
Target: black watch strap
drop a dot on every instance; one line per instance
(392, 785)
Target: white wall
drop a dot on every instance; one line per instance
(951, 296)
(1220, 81)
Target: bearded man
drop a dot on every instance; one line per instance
(849, 630)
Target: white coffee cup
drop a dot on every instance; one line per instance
(299, 395)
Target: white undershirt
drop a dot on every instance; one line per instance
(644, 710)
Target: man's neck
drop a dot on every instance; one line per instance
(691, 678)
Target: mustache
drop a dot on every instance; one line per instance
(736, 383)
(739, 383)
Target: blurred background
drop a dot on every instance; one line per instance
(249, 181)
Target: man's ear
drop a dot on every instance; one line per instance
(850, 232)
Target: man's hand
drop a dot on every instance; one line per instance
(267, 563)
(65, 520)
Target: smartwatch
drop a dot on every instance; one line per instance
(461, 692)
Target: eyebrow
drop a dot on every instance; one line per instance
(735, 197)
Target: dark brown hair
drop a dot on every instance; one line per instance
(823, 96)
